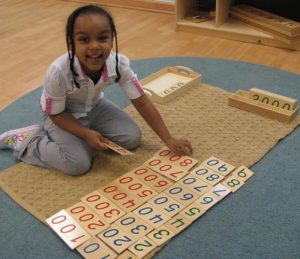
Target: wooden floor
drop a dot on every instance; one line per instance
(32, 35)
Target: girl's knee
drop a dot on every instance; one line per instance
(78, 166)
(132, 140)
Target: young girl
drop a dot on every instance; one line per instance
(79, 117)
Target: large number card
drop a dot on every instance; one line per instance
(166, 204)
(131, 184)
(103, 206)
(181, 194)
(87, 218)
(183, 162)
(121, 197)
(151, 215)
(218, 165)
(116, 238)
(94, 248)
(166, 168)
(134, 225)
(68, 229)
(207, 175)
(195, 184)
(153, 179)
(142, 247)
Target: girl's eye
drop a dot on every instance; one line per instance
(83, 40)
(103, 38)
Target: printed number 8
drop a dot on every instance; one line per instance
(212, 177)
(233, 182)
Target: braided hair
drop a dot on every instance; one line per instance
(70, 40)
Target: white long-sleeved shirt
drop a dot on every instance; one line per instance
(61, 94)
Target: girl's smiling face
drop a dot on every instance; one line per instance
(93, 41)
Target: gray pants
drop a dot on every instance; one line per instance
(55, 148)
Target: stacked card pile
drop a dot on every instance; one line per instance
(146, 207)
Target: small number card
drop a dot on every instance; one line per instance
(118, 149)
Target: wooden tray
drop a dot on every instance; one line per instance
(169, 82)
(241, 100)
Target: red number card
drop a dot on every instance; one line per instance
(166, 168)
(153, 179)
(103, 206)
(183, 162)
(87, 218)
(68, 229)
(118, 149)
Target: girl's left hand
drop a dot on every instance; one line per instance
(180, 147)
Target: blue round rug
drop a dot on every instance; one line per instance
(261, 221)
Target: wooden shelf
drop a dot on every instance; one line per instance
(223, 25)
(144, 5)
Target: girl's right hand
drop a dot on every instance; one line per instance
(95, 140)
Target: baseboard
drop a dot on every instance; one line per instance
(145, 5)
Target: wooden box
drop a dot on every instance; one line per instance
(241, 100)
(169, 82)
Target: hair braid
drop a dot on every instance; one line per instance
(70, 40)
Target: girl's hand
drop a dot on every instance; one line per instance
(180, 147)
(95, 140)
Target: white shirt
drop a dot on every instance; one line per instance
(61, 94)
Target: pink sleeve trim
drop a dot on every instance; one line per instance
(48, 107)
(86, 78)
(105, 73)
(137, 85)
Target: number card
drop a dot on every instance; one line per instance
(67, 229)
(156, 181)
(218, 165)
(181, 194)
(151, 215)
(193, 212)
(166, 204)
(142, 247)
(121, 198)
(118, 149)
(243, 172)
(134, 225)
(161, 235)
(127, 255)
(94, 248)
(102, 206)
(166, 169)
(183, 162)
(136, 187)
(207, 175)
(220, 191)
(195, 184)
(178, 223)
(233, 182)
(116, 238)
(207, 200)
(87, 218)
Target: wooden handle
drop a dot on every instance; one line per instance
(183, 71)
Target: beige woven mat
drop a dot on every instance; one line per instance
(201, 115)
